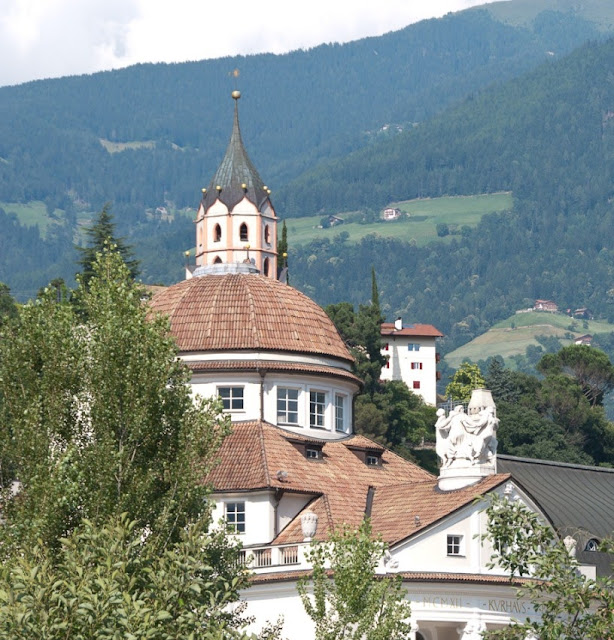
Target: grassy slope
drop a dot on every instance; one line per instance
(512, 336)
(425, 214)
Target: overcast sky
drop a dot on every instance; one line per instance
(50, 38)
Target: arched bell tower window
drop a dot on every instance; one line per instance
(265, 267)
(243, 235)
(267, 234)
(217, 233)
(217, 260)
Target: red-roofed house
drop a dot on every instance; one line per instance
(412, 357)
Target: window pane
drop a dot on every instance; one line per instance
(235, 517)
(317, 405)
(232, 397)
(287, 405)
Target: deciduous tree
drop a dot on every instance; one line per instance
(348, 601)
(570, 605)
(96, 417)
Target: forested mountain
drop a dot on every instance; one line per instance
(548, 137)
(152, 135)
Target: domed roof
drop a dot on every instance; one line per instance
(247, 312)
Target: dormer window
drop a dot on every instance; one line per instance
(592, 545)
(371, 456)
(243, 234)
(313, 452)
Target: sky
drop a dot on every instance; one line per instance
(52, 38)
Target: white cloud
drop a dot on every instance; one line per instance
(48, 38)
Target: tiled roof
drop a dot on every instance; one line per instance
(406, 576)
(238, 312)
(402, 510)
(427, 330)
(339, 483)
(235, 170)
(220, 366)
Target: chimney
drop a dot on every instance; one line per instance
(398, 324)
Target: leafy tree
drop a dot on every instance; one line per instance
(590, 367)
(467, 378)
(570, 605)
(110, 581)
(100, 235)
(353, 603)
(97, 418)
(8, 308)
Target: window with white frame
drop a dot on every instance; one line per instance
(235, 517)
(339, 412)
(413, 346)
(287, 405)
(232, 398)
(455, 545)
(317, 407)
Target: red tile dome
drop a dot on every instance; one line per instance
(238, 312)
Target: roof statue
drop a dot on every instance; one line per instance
(466, 443)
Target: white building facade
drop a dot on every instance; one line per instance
(412, 357)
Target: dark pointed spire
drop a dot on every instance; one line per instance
(236, 177)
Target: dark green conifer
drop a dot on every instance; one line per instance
(100, 235)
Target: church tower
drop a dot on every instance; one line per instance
(236, 222)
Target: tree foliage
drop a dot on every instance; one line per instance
(97, 418)
(589, 367)
(552, 418)
(109, 582)
(100, 236)
(570, 605)
(344, 597)
(467, 378)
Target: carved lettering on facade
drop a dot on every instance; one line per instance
(507, 606)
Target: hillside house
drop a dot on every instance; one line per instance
(585, 339)
(392, 214)
(412, 357)
(546, 305)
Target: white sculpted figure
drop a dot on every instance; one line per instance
(460, 436)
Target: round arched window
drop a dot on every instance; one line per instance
(267, 234)
(217, 233)
(243, 235)
(265, 267)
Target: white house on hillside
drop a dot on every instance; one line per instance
(412, 357)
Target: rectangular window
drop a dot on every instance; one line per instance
(339, 413)
(416, 384)
(232, 398)
(413, 346)
(313, 454)
(287, 405)
(235, 517)
(416, 365)
(455, 545)
(317, 406)
(372, 460)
